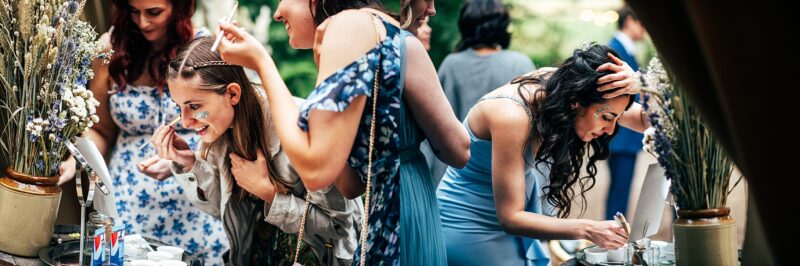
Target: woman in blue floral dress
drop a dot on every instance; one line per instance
(134, 101)
(327, 139)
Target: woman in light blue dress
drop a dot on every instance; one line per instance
(528, 143)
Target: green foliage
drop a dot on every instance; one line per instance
(445, 34)
(548, 38)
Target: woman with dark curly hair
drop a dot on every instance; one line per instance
(528, 143)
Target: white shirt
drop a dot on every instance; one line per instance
(627, 42)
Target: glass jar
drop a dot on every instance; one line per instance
(642, 253)
(96, 221)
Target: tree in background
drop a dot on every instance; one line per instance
(544, 34)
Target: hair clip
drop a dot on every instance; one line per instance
(583, 47)
(209, 64)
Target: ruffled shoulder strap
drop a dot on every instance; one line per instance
(338, 90)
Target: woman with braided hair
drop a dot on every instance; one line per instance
(241, 174)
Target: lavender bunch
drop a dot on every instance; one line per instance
(46, 55)
(693, 159)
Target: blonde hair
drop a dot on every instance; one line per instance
(406, 14)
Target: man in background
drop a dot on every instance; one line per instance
(626, 144)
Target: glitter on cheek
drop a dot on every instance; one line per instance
(599, 111)
(200, 115)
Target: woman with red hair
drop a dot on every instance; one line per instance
(134, 101)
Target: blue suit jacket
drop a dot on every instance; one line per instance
(626, 141)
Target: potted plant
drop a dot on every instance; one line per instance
(46, 53)
(698, 168)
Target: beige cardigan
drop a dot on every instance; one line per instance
(332, 224)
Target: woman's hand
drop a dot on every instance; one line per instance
(240, 48)
(172, 147)
(607, 234)
(66, 171)
(105, 40)
(155, 167)
(624, 79)
(253, 176)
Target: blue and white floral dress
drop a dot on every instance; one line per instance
(153, 208)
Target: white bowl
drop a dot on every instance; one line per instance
(177, 253)
(596, 255)
(171, 263)
(616, 255)
(158, 255)
(144, 263)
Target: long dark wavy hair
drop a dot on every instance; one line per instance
(553, 125)
(247, 135)
(328, 8)
(132, 50)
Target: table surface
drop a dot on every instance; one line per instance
(6, 259)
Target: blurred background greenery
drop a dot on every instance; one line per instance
(296, 66)
(545, 30)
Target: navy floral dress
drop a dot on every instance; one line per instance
(336, 93)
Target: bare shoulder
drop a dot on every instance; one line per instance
(414, 46)
(343, 38)
(500, 118)
(350, 25)
(505, 113)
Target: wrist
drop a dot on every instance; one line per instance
(187, 164)
(267, 193)
(266, 66)
(262, 60)
(584, 229)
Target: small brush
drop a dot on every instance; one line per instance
(172, 123)
(227, 20)
(620, 218)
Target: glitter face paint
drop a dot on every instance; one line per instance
(599, 111)
(200, 115)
